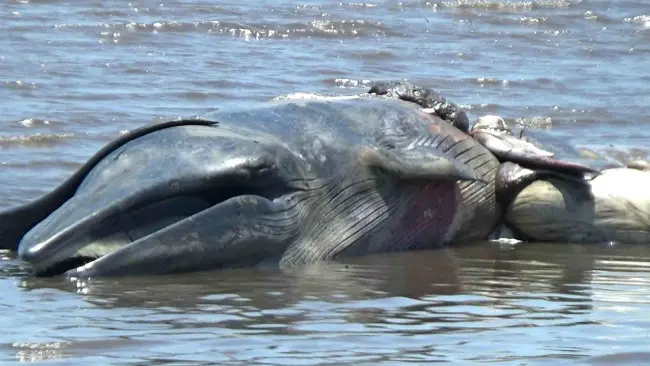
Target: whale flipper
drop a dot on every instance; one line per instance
(418, 163)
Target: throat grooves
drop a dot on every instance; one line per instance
(346, 214)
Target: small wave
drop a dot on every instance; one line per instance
(30, 122)
(528, 84)
(312, 96)
(212, 84)
(32, 352)
(36, 2)
(18, 84)
(483, 81)
(374, 55)
(349, 83)
(535, 122)
(590, 15)
(198, 95)
(38, 139)
(361, 5)
(321, 28)
(506, 5)
(626, 155)
(597, 17)
(355, 28)
(59, 163)
(532, 20)
(640, 50)
(642, 19)
(482, 108)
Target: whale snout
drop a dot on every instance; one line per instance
(152, 192)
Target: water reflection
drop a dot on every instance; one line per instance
(501, 303)
(485, 268)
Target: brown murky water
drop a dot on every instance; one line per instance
(75, 74)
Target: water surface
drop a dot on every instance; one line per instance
(74, 75)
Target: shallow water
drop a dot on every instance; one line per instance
(531, 304)
(75, 74)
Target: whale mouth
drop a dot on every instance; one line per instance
(94, 239)
(53, 250)
(62, 267)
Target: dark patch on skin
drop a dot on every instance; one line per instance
(426, 98)
(512, 178)
(429, 217)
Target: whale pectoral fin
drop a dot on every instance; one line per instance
(508, 147)
(417, 163)
(539, 150)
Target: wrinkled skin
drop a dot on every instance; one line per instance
(285, 182)
(566, 194)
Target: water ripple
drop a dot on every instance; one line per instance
(349, 83)
(319, 28)
(18, 84)
(507, 5)
(642, 19)
(37, 139)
